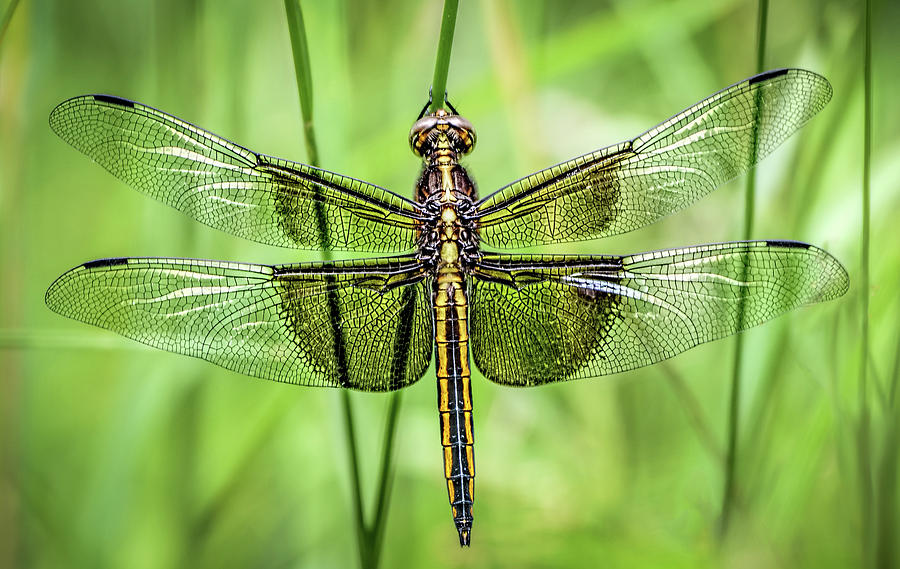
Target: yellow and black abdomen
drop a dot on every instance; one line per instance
(455, 395)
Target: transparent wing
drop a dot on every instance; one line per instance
(231, 188)
(632, 184)
(540, 319)
(279, 323)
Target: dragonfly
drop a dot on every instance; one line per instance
(372, 324)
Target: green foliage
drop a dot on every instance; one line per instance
(442, 60)
(112, 455)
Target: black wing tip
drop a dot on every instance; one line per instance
(787, 243)
(63, 106)
(766, 75)
(99, 263)
(113, 100)
(780, 72)
(839, 281)
(109, 99)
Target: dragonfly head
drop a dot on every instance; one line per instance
(442, 132)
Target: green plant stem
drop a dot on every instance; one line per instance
(895, 375)
(369, 535)
(864, 442)
(304, 76)
(734, 400)
(442, 62)
(385, 478)
(303, 73)
(362, 538)
(885, 550)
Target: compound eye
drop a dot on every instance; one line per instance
(418, 134)
(464, 131)
(460, 122)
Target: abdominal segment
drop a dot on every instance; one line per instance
(455, 397)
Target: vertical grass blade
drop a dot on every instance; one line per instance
(385, 479)
(895, 374)
(863, 431)
(885, 548)
(300, 49)
(362, 534)
(888, 481)
(369, 535)
(734, 400)
(303, 73)
(442, 61)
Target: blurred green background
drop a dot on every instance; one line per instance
(112, 455)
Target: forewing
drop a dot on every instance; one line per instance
(637, 182)
(231, 188)
(540, 319)
(359, 324)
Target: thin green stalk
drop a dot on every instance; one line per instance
(375, 531)
(385, 479)
(731, 441)
(442, 62)
(886, 544)
(362, 538)
(864, 442)
(875, 379)
(7, 18)
(885, 548)
(895, 375)
(369, 536)
(304, 77)
(734, 401)
(303, 73)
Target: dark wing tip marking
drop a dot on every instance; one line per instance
(788, 244)
(113, 100)
(105, 262)
(766, 75)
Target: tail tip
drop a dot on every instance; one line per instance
(465, 535)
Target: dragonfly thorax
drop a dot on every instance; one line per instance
(447, 197)
(441, 134)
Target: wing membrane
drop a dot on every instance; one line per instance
(274, 322)
(231, 188)
(637, 182)
(540, 319)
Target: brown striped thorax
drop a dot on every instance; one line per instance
(447, 236)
